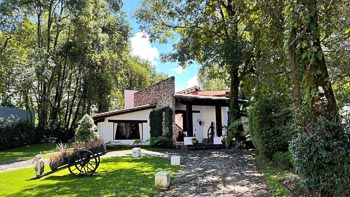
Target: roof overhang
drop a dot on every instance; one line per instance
(202, 100)
(101, 116)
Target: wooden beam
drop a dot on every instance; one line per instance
(218, 121)
(189, 120)
(128, 121)
(179, 111)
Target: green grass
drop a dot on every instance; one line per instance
(26, 152)
(117, 176)
(273, 176)
(48, 150)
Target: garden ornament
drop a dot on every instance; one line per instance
(39, 165)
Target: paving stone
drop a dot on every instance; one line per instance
(218, 173)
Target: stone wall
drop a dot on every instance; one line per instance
(161, 94)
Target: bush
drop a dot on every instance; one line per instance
(228, 139)
(270, 124)
(86, 130)
(155, 123)
(161, 141)
(322, 158)
(283, 160)
(168, 122)
(17, 133)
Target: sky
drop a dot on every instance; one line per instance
(141, 46)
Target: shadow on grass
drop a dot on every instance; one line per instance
(119, 176)
(24, 153)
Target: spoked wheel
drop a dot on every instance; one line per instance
(83, 162)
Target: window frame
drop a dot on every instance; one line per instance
(138, 122)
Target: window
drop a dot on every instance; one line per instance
(127, 130)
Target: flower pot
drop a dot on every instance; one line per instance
(98, 149)
(194, 141)
(55, 165)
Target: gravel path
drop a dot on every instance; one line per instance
(217, 173)
(203, 173)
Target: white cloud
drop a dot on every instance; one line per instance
(178, 69)
(141, 46)
(193, 81)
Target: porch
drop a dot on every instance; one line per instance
(198, 146)
(200, 118)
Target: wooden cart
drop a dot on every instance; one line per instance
(81, 163)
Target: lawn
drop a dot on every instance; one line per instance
(274, 177)
(26, 152)
(117, 176)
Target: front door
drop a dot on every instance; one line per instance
(197, 126)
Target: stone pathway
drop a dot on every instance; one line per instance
(217, 173)
(203, 173)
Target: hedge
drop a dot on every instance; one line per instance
(270, 124)
(322, 158)
(17, 133)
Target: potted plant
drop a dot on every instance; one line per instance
(60, 159)
(194, 141)
(137, 143)
(96, 145)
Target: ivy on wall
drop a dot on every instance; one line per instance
(168, 120)
(156, 122)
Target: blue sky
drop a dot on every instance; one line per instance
(150, 51)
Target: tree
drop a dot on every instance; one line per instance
(306, 54)
(213, 79)
(86, 129)
(209, 32)
(321, 151)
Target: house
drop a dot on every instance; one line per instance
(159, 110)
(17, 114)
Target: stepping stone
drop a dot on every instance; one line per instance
(175, 160)
(136, 152)
(162, 180)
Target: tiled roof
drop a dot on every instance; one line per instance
(214, 93)
(191, 96)
(204, 100)
(189, 90)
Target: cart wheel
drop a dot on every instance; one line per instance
(83, 162)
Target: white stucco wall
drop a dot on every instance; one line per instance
(129, 98)
(206, 115)
(106, 129)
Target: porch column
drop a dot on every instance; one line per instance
(189, 120)
(218, 121)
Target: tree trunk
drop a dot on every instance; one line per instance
(294, 67)
(319, 91)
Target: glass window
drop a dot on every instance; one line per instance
(127, 130)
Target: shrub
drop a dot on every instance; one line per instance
(86, 130)
(322, 158)
(228, 139)
(168, 122)
(161, 141)
(283, 159)
(17, 133)
(155, 123)
(237, 137)
(270, 124)
(60, 159)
